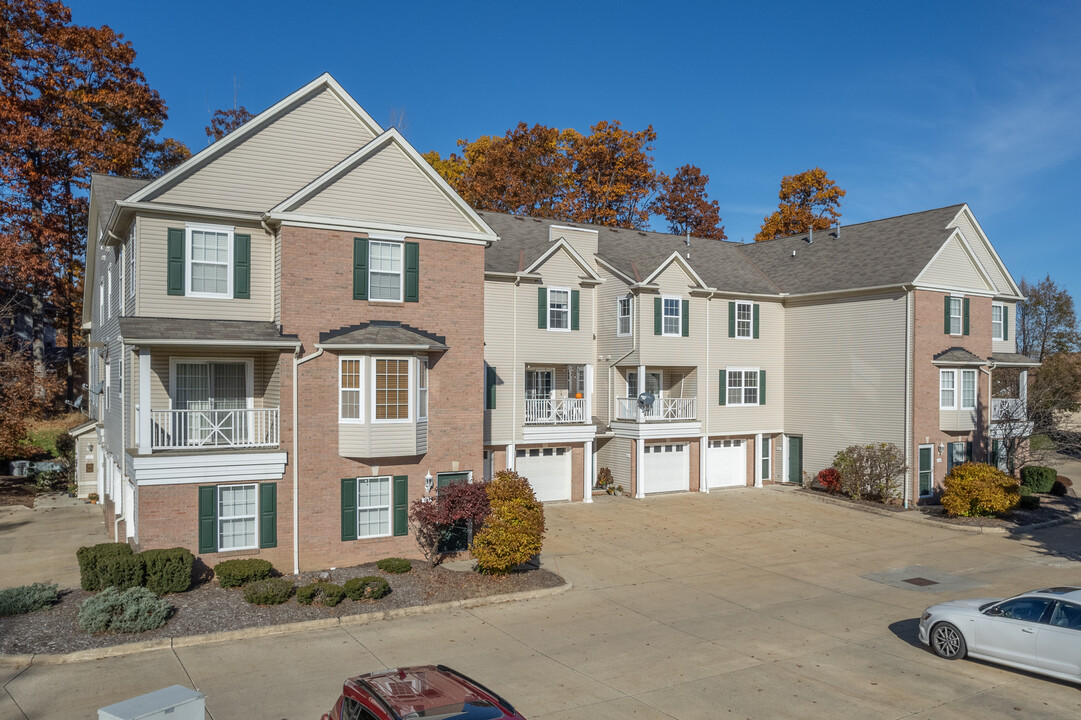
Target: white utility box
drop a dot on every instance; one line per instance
(171, 703)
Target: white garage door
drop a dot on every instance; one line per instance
(726, 463)
(548, 471)
(667, 468)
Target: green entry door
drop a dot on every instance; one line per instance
(457, 538)
(795, 460)
(926, 470)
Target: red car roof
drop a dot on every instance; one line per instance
(430, 691)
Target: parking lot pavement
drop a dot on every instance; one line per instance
(39, 544)
(742, 603)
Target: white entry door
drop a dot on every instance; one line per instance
(548, 471)
(667, 468)
(726, 463)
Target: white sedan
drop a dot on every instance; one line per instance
(1039, 631)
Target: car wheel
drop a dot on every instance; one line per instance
(948, 642)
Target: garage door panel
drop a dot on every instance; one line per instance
(727, 463)
(548, 471)
(667, 468)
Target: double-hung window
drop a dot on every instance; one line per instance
(238, 510)
(559, 309)
(210, 261)
(743, 387)
(744, 315)
(351, 389)
(373, 507)
(422, 389)
(672, 319)
(996, 322)
(956, 315)
(623, 316)
(384, 270)
(947, 389)
(968, 389)
(391, 389)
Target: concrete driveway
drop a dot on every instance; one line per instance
(742, 603)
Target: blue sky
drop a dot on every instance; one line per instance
(908, 106)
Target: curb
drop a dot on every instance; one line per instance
(270, 630)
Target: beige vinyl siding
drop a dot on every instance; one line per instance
(499, 353)
(354, 440)
(766, 352)
(107, 332)
(672, 350)
(584, 242)
(982, 253)
(128, 301)
(388, 186)
(570, 347)
(277, 301)
(266, 386)
(957, 420)
(844, 374)
(610, 347)
(614, 454)
(284, 156)
(153, 271)
(1009, 345)
(377, 440)
(953, 268)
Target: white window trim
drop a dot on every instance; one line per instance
(757, 388)
(389, 506)
(229, 243)
(101, 301)
(422, 363)
(765, 455)
(931, 486)
(255, 487)
(975, 390)
(109, 294)
(123, 281)
(1001, 320)
(411, 379)
(750, 320)
(955, 390)
(568, 310)
(108, 382)
(132, 263)
(960, 314)
(632, 393)
(360, 390)
(372, 241)
(630, 316)
(249, 379)
(678, 316)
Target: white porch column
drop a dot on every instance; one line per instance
(1023, 390)
(589, 394)
(587, 469)
(758, 460)
(510, 456)
(143, 425)
(703, 464)
(639, 390)
(639, 474)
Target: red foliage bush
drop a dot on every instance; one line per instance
(432, 518)
(830, 479)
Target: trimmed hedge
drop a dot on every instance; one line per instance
(108, 565)
(332, 594)
(168, 571)
(973, 489)
(306, 594)
(271, 591)
(328, 594)
(1038, 479)
(394, 566)
(27, 598)
(369, 587)
(123, 611)
(240, 572)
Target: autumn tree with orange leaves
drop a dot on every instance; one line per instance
(224, 121)
(809, 200)
(683, 202)
(72, 103)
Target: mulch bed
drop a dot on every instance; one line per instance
(208, 608)
(17, 491)
(1052, 507)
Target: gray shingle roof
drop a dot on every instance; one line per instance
(150, 331)
(383, 334)
(959, 356)
(108, 189)
(1013, 359)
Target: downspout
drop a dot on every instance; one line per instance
(908, 397)
(273, 265)
(990, 408)
(297, 361)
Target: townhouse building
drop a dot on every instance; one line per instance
(302, 329)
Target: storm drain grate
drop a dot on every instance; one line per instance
(922, 582)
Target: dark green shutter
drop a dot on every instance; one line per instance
(755, 311)
(686, 318)
(731, 319)
(412, 272)
(349, 509)
(994, 453)
(542, 308)
(658, 316)
(761, 387)
(242, 266)
(947, 315)
(208, 518)
(268, 515)
(968, 451)
(1005, 322)
(176, 261)
(401, 504)
(489, 387)
(722, 396)
(574, 309)
(964, 311)
(360, 273)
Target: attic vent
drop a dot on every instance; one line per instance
(641, 233)
(837, 233)
(810, 235)
(793, 253)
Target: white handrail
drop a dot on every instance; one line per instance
(555, 412)
(661, 409)
(184, 429)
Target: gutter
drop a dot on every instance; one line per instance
(297, 362)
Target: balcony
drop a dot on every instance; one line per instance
(563, 411)
(214, 429)
(662, 409)
(1008, 409)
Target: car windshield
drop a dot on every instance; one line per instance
(475, 710)
(985, 606)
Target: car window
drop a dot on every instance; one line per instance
(1028, 609)
(1067, 616)
(352, 710)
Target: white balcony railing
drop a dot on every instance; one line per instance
(185, 429)
(1007, 410)
(555, 412)
(662, 409)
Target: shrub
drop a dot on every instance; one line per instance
(306, 594)
(433, 519)
(332, 594)
(871, 472)
(830, 480)
(394, 566)
(237, 573)
(27, 598)
(90, 559)
(269, 591)
(974, 489)
(1062, 486)
(124, 611)
(369, 587)
(514, 532)
(168, 571)
(1028, 502)
(1038, 479)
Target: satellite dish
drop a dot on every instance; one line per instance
(646, 399)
